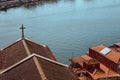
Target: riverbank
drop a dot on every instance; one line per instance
(4, 5)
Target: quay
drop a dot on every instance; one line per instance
(6, 4)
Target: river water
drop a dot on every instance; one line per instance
(68, 27)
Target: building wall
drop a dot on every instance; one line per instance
(103, 59)
(110, 78)
(90, 66)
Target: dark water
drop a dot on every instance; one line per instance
(66, 26)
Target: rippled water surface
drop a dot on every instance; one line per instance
(66, 26)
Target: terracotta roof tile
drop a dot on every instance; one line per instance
(9, 54)
(21, 49)
(103, 72)
(86, 57)
(40, 49)
(98, 48)
(118, 49)
(105, 64)
(96, 73)
(114, 56)
(78, 60)
(27, 70)
(54, 71)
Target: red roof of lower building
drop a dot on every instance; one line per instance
(97, 63)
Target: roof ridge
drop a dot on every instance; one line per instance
(26, 47)
(35, 42)
(94, 71)
(48, 51)
(50, 60)
(14, 65)
(28, 57)
(10, 44)
(40, 69)
(83, 59)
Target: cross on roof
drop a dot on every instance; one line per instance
(22, 28)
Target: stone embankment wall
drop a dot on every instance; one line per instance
(5, 4)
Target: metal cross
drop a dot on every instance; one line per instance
(22, 28)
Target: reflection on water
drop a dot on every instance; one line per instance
(66, 26)
(40, 3)
(26, 4)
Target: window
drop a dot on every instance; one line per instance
(105, 51)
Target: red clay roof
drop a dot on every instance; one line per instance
(9, 54)
(42, 50)
(114, 56)
(21, 49)
(97, 73)
(102, 68)
(78, 60)
(84, 58)
(98, 48)
(28, 69)
(19, 63)
(104, 72)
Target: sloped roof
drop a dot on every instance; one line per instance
(42, 50)
(36, 67)
(22, 48)
(106, 60)
(85, 58)
(96, 73)
(104, 72)
(20, 63)
(98, 48)
(77, 60)
(112, 55)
